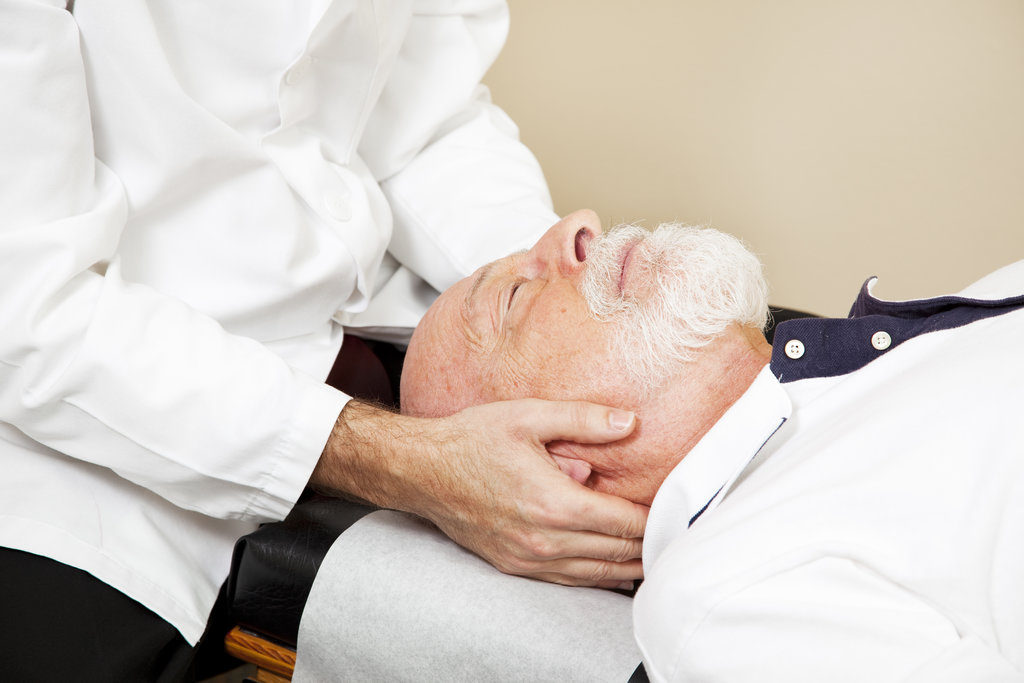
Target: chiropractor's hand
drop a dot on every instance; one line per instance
(484, 477)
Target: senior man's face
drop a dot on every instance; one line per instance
(520, 327)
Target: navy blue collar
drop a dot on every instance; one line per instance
(833, 346)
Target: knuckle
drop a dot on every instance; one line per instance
(505, 556)
(600, 571)
(548, 510)
(537, 546)
(623, 552)
(629, 525)
(623, 530)
(579, 416)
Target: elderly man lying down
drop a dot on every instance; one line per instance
(846, 506)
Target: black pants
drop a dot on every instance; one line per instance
(58, 623)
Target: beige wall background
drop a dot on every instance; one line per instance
(839, 139)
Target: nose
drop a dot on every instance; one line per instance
(563, 248)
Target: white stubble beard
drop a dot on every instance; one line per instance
(687, 285)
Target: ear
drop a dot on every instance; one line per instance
(578, 470)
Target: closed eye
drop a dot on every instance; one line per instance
(512, 294)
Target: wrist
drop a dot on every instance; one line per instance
(376, 456)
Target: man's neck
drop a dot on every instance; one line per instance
(707, 388)
(674, 418)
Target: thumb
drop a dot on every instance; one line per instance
(578, 421)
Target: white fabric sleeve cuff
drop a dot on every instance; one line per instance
(298, 451)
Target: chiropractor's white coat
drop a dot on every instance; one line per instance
(195, 198)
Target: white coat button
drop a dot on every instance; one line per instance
(881, 340)
(794, 348)
(298, 70)
(339, 204)
(337, 195)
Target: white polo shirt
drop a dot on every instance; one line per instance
(878, 533)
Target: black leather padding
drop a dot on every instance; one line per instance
(639, 675)
(273, 568)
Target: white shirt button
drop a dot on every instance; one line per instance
(298, 70)
(337, 196)
(794, 348)
(881, 340)
(339, 204)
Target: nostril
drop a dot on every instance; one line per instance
(583, 237)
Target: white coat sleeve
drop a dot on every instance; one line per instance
(104, 370)
(829, 620)
(462, 187)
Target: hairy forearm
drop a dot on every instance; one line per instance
(367, 456)
(418, 465)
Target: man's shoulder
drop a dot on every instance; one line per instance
(1006, 282)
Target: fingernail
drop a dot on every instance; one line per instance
(626, 586)
(620, 420)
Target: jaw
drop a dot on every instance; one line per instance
(673, 418)
(635, 467)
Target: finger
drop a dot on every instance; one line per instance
(584, 509)
(582, 571)
(586, 544)
(576, 469)
(578, 421)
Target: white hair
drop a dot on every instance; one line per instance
(694, 283)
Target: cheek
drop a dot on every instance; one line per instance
(557, 351)
(507, 380)
(561, 372)
(442, 393)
